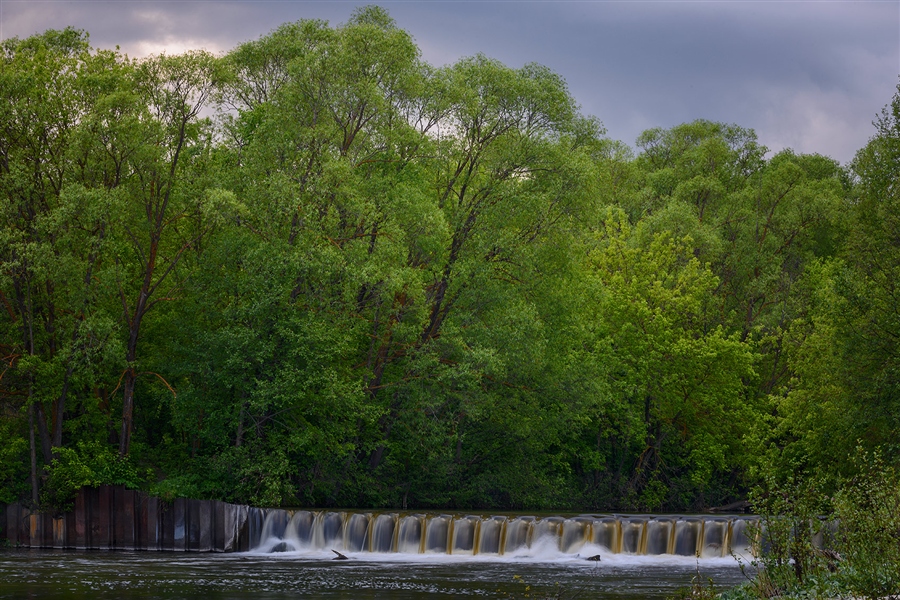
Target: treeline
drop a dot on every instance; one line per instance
(320, 271)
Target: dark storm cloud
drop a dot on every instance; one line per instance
(808, 75)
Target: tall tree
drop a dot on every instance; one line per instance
(167, 142)
(679, 374)
(758, 223)
(54, 223)
(844, 352)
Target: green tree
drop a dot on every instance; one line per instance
(871, 325)
(164, 147)
(842, 351)
(392, 213)
(54, 227)
(321, 162)
(679, 375)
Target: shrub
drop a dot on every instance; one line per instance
(868, 510)
(13, 463)
(813, 546)
(790, 536)
(89, 464)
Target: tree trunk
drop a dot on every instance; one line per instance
(239, 437)
(134, 325)
(44, 432)
(56, 440)
(378, 453)
(127, 412)
(35, 488)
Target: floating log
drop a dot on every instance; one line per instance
(739, 506)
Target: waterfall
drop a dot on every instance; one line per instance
(277, 530)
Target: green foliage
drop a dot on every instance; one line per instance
(841, 346)
(13, 460)
(868, 511)
(87, 465)
(811, 545)
(368, 281)
(681, 375)
(795, 525)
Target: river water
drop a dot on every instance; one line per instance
(57, 574)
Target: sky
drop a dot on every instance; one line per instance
(810, 75)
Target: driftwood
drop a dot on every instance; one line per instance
(831, 556)
(739, 506)
(339, 555)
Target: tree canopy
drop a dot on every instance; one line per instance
(319, 271)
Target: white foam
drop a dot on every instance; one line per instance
(302, 536)
(540, 553)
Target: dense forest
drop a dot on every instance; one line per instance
(318, 271)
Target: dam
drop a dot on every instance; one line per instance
(114, 518)
(458, 534)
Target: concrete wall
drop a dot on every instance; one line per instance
(113, 518)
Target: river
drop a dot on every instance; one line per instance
(93, 575)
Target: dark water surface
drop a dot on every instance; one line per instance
(55, 574)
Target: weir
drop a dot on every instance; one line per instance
(114, 518)
(499, 535)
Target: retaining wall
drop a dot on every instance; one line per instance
(114, 518)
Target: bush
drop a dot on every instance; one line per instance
(792, 536)
(87, 465)
(813, 546)
(868, 510)
(187, 485)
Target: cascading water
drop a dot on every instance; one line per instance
(498, 535)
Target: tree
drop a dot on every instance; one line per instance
(165, 145)
(679, 375)
(758, 223)
(384, 189)
(871, 326)
(54, 225)
(843, 353)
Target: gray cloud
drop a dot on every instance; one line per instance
(804, 74)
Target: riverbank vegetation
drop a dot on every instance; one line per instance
(319, 271)
(813, 545)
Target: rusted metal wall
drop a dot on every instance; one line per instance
(113, 518)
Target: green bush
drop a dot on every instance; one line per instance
(868, 510)
(188, 485)
(89, 464)
(812, 546)
(790, 536)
